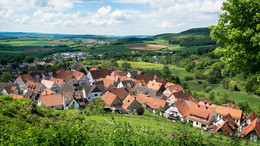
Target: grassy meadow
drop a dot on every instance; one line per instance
(195, 86)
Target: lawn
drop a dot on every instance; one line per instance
(176, 71)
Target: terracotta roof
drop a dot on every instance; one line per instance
(107, 82)
(154, 85)
(47, 91)
(255, 125)
(129, 89)
(124, 73)
(235, 113)
(251, 117)
(128, 101)
(25, 78)
(69, 96)
(48, 84)
(175, 88)
(78, 75)
(65, 75)
(115, 72)
(67, 88)
(231, 105)
(161, 80)
(214, 127)
(52, 100)
(135, 73)
(15, 95)
(96, 88)
(167, 95)
(145, 77)
(120, 92)
(141, 98)
(109, 98)
(102, 73)
(182, 107)
(155, 103)
(226, 129)
(181, 95)
(11, 88)
(58, 81)
(145, 90)
(200, 113)
(168, 84)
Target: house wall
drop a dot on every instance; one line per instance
(173, 110)
(90, 79)
(133, 106)
(93, 95)
(221, 116)
(73, 81)
(83, 80)
(120, 85)
(73, 104)
(4, 92)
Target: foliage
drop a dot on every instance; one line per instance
(6, 77)
(243, 105)
(238, 30)
(83, 71)
(233, 86)
(95, 107)
(126, 65)
(104, 65)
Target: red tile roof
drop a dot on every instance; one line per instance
(58, 81)
(255, 125)
(154, 85)
(47, 83)
(25, 78)
(102, 73)
(128, 101)
(109, 98)
(47, 91)
(235, 113)
(52, 100)
(15, 95)
(182, 107)
(120, 92)
(251, 117)
(155, 103)
(168, 84)
(107, 82)
(175, 88)
(33, 86)
(200, 113)
(145, 77)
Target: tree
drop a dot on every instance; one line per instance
(126, 65)
(104, 65)
(238, 30)
(244, 106)
(166, 71)
(6, 77)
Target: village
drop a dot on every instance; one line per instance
(125, 91)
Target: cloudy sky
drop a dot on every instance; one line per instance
(107, 17)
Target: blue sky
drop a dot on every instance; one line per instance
(107, 17)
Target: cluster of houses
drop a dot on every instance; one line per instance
(124, 91)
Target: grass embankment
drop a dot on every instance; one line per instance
(193, 85)
(22, 122)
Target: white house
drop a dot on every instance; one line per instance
(92, 92)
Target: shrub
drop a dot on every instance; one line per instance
(207, 89)
(140, 110)
(188, 78)
(233, 86)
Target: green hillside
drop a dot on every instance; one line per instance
(22, 122)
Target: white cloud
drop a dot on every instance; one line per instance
(6, 14)
(166, 24)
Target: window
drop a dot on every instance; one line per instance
(96, 95)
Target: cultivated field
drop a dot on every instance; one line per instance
(147, 47)
(38, 50)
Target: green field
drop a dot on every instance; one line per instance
(175, 70)
(31, 43)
